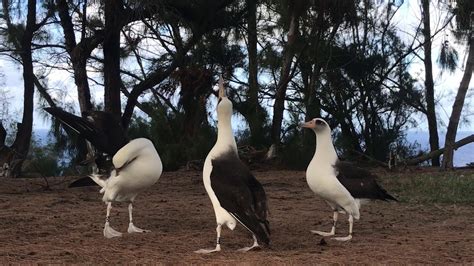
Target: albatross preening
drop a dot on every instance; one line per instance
(102, 130)
(341, 184)
(234, 192)
(136, 164)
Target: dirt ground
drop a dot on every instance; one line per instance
(65, 226)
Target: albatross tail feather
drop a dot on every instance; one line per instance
(259, 228)
(83, 182)
(383, 194)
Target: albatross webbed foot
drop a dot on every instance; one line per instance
(333, 229)
(218, 243)
(109, 232)
(207, 251)
(321, 233)
(343, 238)
(133, 229)
(254, 246)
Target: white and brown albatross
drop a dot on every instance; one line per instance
(236, 195)
(342, 185)
(136, 163)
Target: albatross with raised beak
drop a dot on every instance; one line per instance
(235, 193)
(342, 185)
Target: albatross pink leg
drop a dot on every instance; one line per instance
(109, 232)
(333, 229)
(218, 244)
(132, 228)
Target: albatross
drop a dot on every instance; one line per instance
(136, 163)
(342, 185)
(236, 195)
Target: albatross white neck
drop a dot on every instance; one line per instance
(225, 136)
(324, 148)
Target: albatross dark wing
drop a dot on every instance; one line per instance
(240, 193)
(103, 130)
(359, 182)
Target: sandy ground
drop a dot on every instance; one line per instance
(65, 226)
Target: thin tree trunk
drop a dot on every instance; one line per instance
(21, 145)
(78, 54)
(256, 115)
(457, 108)
(429, 85)
(279, 105)
(112, 79)
(3, 135)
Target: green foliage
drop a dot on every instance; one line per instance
(432, 187)
(166, 130)
(44, 160)
(361, 91)
(298, 145)
(463, 15)
(216, 49)
(448, 57)
(349, 65)
(5, 115)
(296, 153)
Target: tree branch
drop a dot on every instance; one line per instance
(428, 156)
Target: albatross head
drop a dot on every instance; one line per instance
(318, 125)
(224, 105)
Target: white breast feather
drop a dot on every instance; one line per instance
(222, 216)
(322, 180)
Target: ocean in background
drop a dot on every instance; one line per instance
(462, 156)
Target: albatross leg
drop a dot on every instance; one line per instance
(132, 228)
(218, 243)
(255, 245)
(109, 232)
(348, 237)
(333, 229)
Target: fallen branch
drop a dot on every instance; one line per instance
(428, 156)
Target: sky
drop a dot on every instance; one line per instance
(446, 84)
(407, 19)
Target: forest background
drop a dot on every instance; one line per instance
(373, 69)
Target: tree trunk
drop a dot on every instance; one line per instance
(279, 105)
(457, 108)
(82, 82)
(195, 85)
(21, 145)
(79, 53)
(112, 79)
(256, 115)
(429, 85)
(3, 135)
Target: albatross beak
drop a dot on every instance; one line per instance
(221, 87)
(308, 124)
